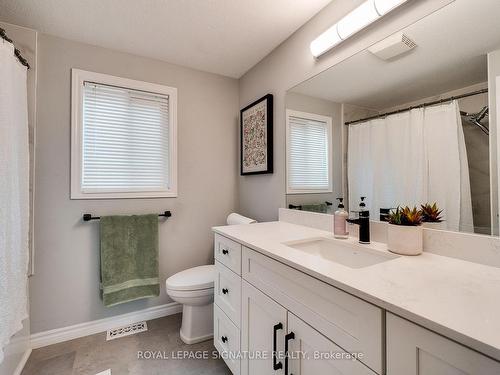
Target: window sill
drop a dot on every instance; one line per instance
(308, 191)
(124, 195)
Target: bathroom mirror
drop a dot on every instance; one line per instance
(407, 121)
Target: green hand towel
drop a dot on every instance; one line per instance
(321, 207)
(129, 258)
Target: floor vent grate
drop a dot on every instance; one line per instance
(128, 330)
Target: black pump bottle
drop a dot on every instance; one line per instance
(363, 221)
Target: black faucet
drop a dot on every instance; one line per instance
(363, 221)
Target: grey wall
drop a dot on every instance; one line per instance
(304, 103)
(291, 63)
(65, 287)
(478, 156)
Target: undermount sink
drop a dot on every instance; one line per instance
(345, 253)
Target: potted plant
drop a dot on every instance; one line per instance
(431, 216)
(404, 232)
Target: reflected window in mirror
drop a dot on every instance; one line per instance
(309, 152)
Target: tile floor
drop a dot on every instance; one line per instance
(93, 354)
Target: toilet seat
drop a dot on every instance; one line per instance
(190, 293)
(193, 279)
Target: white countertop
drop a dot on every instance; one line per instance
(456, 298)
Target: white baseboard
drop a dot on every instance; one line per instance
(20, 367)
(58, 335)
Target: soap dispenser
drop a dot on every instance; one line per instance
(340, 221)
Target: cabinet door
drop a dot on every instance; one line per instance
(311, 353)
(263, 323)
(413, 350)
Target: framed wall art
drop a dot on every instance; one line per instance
(256, 137)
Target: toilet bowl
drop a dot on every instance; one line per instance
(194, 289)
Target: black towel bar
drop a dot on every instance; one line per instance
(294, 207)
(88, 217)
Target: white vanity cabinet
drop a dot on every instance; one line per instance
(265, 308)
(258, 297)
(413, 350)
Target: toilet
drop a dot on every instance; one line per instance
(194, 289)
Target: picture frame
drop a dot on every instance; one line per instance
(256, 137)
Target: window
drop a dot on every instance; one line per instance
(124, 141)
(309, 152)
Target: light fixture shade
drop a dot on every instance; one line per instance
(385, 6)
(329, 39)
(358, 19)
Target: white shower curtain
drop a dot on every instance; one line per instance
(411, 158)
(14, 194)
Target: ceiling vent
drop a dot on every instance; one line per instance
(393, 46)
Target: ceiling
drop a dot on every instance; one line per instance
(451, 54)
(227, 37)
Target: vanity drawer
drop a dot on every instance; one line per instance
(228, 252)
(228, 292)
(351, 323)
(227, 340)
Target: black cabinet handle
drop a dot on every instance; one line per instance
(288, 337)
(225, 251)
(225, 291)
(276, 365)
(224, 339)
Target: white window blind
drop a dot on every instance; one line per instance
(125, 140)
(309, 153)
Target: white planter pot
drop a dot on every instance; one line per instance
(405, 240)
(441, 225)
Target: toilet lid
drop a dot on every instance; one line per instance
(195, 278)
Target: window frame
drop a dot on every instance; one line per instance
(315, 117)
(78, 78)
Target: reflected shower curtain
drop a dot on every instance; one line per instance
(411, 158)
(14, 194)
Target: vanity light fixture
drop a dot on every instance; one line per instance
(364, 15)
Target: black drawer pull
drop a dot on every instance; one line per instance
(225, 251)
(225, 291)
(288, 337)
(276, 365)
(224, 339)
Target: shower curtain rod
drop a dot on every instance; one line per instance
(21, 59)
(440, 101)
